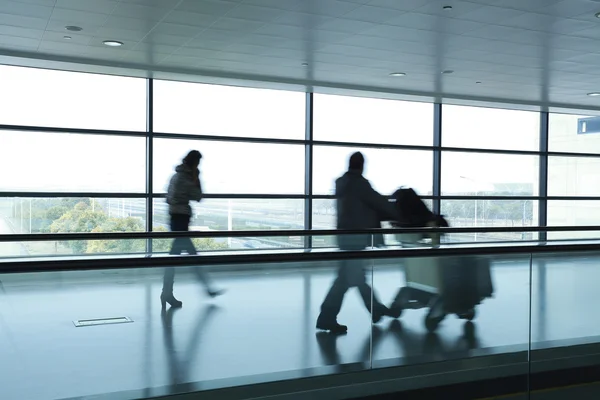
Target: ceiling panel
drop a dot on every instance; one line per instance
(520, 50)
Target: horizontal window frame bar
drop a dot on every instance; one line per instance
(218, 138)
(227, 196)
(81, 131)
(572, 155)
(100, 195)
(283, 257)
(326, 143)
(270, 196)
(43, 237)
(490, 151)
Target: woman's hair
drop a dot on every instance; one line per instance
(192, 159)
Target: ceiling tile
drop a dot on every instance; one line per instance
(301, 19)
(27, 10)
(236, 24)
(434, 23)
(79, 18)
(170, 40)
(16, 31)
(346, 25)
(210, 7)
(290, 5)
(12, 42)
(76, 38)
(139, 11)
(333, 8)
(458, 8)
(373, 14)
(190, 18)
(120, 34)
(168, 28)
(95, 6)
(570, 8)
(23, 22)
(548, 23)
(490, 14)
(405, 5)
(254, 13)
(151, 3)
(156, 48)
(136, 24)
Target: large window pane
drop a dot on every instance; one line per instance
(490, 128)
(182, 107)
(386, 169)
(358, 119)
(61, 162)
(573, 176)
(41, 97)
(573, 133)
(230, 167)
(71, 215)
(574, 213)
(481, 174)
(237, 214)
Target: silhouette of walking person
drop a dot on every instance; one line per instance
(359, 206)
(184, 187)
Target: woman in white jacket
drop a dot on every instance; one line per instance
(184, 187)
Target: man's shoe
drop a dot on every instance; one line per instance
(332, 327)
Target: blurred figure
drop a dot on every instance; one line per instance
(184, 187)
(359, 206)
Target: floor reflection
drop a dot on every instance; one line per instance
(412, 344)
(180, 361)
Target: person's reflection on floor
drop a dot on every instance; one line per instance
(184, 187)
(179, 367)
(359, 206)
(413, 347)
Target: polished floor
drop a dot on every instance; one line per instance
(262, 329)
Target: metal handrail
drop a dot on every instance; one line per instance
(213, 259)
(42, 237)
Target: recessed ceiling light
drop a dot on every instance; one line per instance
(305, 64)
(448, 71)
(67, 37)
(478, 82)
(597, 14)
(447, 8)
(73, 28)
(594, 94)
(113, 43)
(398, 74)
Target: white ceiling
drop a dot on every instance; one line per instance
(532, 51)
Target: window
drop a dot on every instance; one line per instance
(41, 97)
(573, 213)
(490, 128)
(233, 167)
(479, 174)
(573, 176)
(61, 162)
(362, 120)
(71, 215)
(386, 169)
(181, 107)
(237, 214)
(573, 133)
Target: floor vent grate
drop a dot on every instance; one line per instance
(102, 321)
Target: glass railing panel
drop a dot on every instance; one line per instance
(469, 312)
(564, 303)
